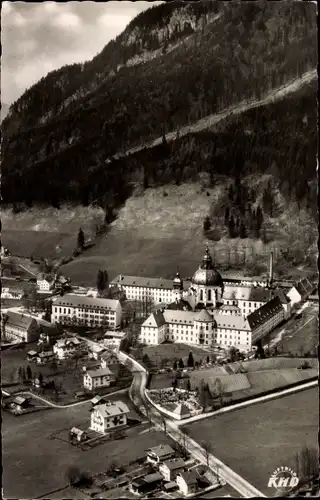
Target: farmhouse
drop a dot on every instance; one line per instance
(160, 453)
(77, 435)
(93, 379)
(108, 416)
(88, 311)
(65, 348)
(44, 357)
(19, 327)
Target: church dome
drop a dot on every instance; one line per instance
(207, 274)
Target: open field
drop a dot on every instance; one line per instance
(256, 440)
(41, 469)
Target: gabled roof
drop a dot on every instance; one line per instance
(156, 319)
(252, 293)
(262, 314)
(232, 322)
(32, 353)
(181, 317)
(304, 287)
(19, 320)
(182, 410)
(204, 317)
(82, 301)
(67, 341)
(189, 478)
(162, 450)
(76, 431)
(140, 281)
(101, 372)
(19, 400)
(111, 410)
(174, 463)
(150, 478)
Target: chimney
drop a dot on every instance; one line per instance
(271, 269)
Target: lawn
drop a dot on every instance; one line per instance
(171, 352)
(254, 441)
(41, 468)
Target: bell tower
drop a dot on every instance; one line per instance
(177, 287)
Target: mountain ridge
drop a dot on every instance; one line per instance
(222, 60)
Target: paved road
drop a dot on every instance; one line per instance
(54, 405)
(136, 393)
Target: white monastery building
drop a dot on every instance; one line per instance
(88, 311)
(214, 314)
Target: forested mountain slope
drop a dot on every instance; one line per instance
(175, 64)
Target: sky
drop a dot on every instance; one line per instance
(39, 37)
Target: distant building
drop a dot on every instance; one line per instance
(45, 282)
(108, 417)
(266, 318)
(94, 379)
(86, 311)
(108, 358)
(187, 482)
(146, 483)
(153, 289)
(44, 357)
(19, 327)
(65, 348)
(170, 468)
(113, 339)
(300, 291)
(160, 453)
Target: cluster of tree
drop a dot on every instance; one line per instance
(24, 374)
(76, 477)
(67, 153)
(102, 281)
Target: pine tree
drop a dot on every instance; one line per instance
(242, 230)
(175, 365)
(226, 216)
(40, 377)
(181, 363)
(231, 192)
(29, 373)
(188, 385)
(231, 227)
(190, 361)
(20, 374)
(206, 224)
(100, 281)
(80, 239)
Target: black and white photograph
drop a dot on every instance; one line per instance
(159, 249)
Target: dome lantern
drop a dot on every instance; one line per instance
(206, 274)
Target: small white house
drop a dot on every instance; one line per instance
(171, 468)
(65, 348)
(300, 291)
(108, 358)
(44, 282)
(187, 482)
(93, 379)
(109, 416)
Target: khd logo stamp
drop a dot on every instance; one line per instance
(283, 479)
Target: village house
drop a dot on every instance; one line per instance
(170, 468)
(94, 379)
(44, 282)
(187, 482)
(108, 416)
(113, 339)
(18, 327)
(108, 359)
(160, 453)
(96, 351)
(65, 348)
(44, 357)
(300, 291)
(31, 356)
(86, 311)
